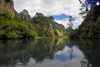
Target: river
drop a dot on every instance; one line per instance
(50, 53)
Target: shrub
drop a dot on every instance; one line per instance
(12, 35)
(2, 32)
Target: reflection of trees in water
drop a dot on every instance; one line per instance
(12, 51)
(84, 62)
(51, 45)
(46, 49)
(91, 50)
(70, 52)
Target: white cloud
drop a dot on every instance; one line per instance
(50, 7)
(65, 22)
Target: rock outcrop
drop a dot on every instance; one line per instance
(7, 5)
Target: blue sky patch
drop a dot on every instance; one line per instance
(63, 57)
(63, 16)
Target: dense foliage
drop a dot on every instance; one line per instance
(90, 28)
(25, 27)
(24, 14)
(15, 27)
(46, 26)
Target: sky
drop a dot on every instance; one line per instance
(59, 9)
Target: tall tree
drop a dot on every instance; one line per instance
(84, 9)
(38, 18)
(51, 18)
(24, 14)
(70, 24)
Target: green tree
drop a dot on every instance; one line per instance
(24, 14)
(51, 18)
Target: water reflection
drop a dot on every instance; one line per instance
(68, 54)
(49, 53)
(91, 50)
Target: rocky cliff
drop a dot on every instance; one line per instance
(8, 6)
(24, 27)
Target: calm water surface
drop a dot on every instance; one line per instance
(50, 53)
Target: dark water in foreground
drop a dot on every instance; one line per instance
(50, 53)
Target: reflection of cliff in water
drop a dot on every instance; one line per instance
(13, 51)
(91, 50)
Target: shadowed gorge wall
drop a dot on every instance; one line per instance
(90, 27)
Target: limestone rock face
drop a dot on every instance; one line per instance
(51, 30)
(8, 6)
(59, 33)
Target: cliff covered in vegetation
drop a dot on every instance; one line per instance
(90, 27)
(7, 5)
(20, 25)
